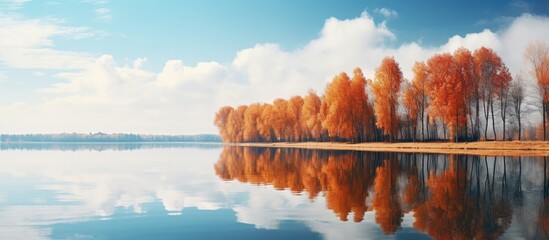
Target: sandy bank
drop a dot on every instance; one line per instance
(497, 148)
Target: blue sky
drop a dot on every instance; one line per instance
(116, 61)
(197, 30)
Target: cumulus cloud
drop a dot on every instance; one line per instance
(138, 63)
(180, 98)
(175, 74)
(101, 79)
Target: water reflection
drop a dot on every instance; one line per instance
(173, 193)
(450, 197)
(42, 193)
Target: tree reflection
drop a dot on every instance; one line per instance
(386, 203)
(443, 214)
(543, 214)
(342, 176)
(450, 197)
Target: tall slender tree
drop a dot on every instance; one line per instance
(338, 120)
(295, 105)
(360, 109)
(385, 90)
(516, 96)
(264, 125)
(412, 103)
(502, 84)
(221, 121)
(488, 67)
(537, 56)
(447, 92)
(310, 116)
(420, 83)
(279, 119)
(465, 67)
(251, 119)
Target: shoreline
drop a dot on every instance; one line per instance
(492, 148)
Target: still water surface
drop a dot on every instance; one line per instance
(176, 191)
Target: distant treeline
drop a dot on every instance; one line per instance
(105, 137)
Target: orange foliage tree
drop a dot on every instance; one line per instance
(465, 67)
(385, 89)
(295, 104)
(361, 110)
(448, 92)
(338, 120)
(490, 72)
(236, 123)
(221, 121)
(251, 119)
(264, 126)
(279, 119)
(310, 116)
(448, 89)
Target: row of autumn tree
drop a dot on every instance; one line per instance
(451, 197)
(463, 93)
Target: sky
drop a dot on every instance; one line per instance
(165, 67)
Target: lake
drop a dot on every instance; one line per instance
(196, 191)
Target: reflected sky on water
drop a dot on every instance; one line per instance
(191, 191)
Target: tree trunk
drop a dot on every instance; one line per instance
(414, 136)
(422, 124)
(486, 110)
(427, 126)
(503, 130)
(444, 130)
(456, 127)
(519, 126)
(544, 107)
(493, 121)
(477, 123)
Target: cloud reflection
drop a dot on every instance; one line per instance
(357, 194)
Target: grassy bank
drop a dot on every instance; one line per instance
(496, 148)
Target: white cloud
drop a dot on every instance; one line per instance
(473, 41)
(388, 13)
(341, 46)
(103, 96)
(518, 35)
(27, 43)
(138, 63)
(175, 73)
